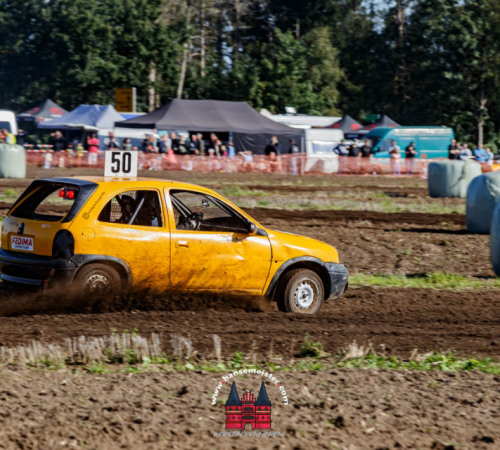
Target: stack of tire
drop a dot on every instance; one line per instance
(12, 161)
(451, 178)
(483, 212)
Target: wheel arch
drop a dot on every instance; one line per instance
(304, 262)
(120, 266)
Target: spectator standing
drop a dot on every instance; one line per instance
(164, 144)
(8, 137)
(201, 144)
(341, 150)
(411, 154)
(366, 149)
(146, 145)
(465, 153)
(175, 141)
(480, 154)
(111, 143)
(292, 147)
(395, 153)
(59, 142)
(231, 153)
(491, 157)
(126, 145)
(193, 145)
(21, 137)
(272, 147)
(93, 149)
(453, 150)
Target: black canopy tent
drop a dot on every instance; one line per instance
(45, 111)
(250, 130)
(384, 121)
(349, 127)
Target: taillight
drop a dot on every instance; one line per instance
(64, 245)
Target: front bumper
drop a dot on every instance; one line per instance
(339, 276)
(35, 270)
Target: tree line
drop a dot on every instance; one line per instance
(423, 62)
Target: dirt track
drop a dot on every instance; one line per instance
(341, 409)
(358, 409)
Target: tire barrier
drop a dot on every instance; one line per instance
(451, 178)
(482, 196)
(12, 161)
(495, 239)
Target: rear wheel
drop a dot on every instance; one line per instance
(97, 281)
(301, 292)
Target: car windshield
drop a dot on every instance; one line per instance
(47, 202)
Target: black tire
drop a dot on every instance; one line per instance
(95, 281)
(301, 292)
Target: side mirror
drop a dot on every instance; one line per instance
(252, 228)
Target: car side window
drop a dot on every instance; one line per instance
(139, 207)
(199, 211)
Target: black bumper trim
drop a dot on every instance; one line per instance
(339, 276)
(37, 270)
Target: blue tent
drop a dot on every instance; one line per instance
(86, 117)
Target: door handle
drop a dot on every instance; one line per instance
(182, 244)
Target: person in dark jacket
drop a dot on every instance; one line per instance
(272, 147)
(453, 150)
(59, 143)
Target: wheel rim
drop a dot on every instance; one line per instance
(98, 284)
(304, 295)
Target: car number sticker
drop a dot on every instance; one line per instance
(21, 243)
(121, 164)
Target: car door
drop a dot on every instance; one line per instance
(132, 226)
(218, 253)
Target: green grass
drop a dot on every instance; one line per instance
(446, 362)
(8, 195)
(435, 280)
(236, 191)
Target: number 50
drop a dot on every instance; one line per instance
(121, 162)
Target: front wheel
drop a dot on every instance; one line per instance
(301, 292)
(97, 281)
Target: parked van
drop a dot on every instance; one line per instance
(319, 144)
(430, 141)
(8, 121)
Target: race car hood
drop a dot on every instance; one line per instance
(288, 245)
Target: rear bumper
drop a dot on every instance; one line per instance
(35, 270)
(339, 276)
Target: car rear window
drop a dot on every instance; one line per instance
(48, 202)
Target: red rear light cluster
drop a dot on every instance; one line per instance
(67, 193)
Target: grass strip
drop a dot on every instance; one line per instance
(434, 280)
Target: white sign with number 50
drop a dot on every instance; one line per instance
(120, 164)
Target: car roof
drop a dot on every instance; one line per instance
(137, 182)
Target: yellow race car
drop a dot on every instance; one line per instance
(105, 237)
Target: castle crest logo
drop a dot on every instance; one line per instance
(248, 410)
(249, 415)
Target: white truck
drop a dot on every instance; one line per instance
(8, 121)
(319, 144)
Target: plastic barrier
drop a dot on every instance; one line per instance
(12, 161)
(285, 164)
(482, 196)
(495, 239)
(451, 178)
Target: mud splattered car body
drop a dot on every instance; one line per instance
(105, 236)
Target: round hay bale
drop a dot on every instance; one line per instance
(12, 161)
(451, 178)
(495, 239)
(482, 196)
